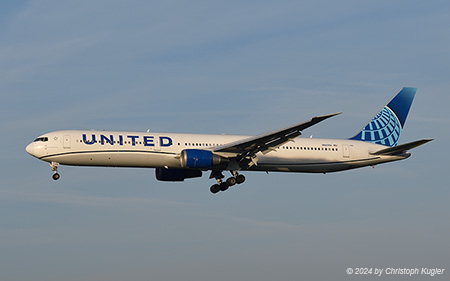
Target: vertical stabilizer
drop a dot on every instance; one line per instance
(386, 126)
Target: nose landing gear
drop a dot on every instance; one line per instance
(54, 166)
(224, 185)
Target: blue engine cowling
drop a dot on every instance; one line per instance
(163, 174)
(202, 159)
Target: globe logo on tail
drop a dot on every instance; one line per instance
(385, 128)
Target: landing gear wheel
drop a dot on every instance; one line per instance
(231, 181)
(240, 179)
(223, 186)
(54, 166)
(215, 188)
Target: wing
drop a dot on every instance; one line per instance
(245, 150)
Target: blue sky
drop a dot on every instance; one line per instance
(240, 67)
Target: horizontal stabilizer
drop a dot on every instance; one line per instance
(400, 148)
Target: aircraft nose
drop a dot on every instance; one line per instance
(30, 149)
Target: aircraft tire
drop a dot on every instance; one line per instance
(223, 186)
(215, 188)
(56, 176)
(240, 179)
(231, 181)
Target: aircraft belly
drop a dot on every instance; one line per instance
(304, 167)
(156, 160)
(114, 159)
(317, 166)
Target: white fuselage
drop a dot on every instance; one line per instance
(157, 150)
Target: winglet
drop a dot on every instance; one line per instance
(318, 119)
(323, 117)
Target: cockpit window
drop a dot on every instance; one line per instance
(41, 139)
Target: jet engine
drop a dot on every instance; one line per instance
(202, 159)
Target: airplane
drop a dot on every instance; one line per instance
(177, 157)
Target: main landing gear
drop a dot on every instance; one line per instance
(54, 166)
(224, 185)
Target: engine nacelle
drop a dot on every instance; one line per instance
(202, 159)
(170, 174)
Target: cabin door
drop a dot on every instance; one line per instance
(66, 141)
(346, 151)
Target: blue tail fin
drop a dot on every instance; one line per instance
(386, 126)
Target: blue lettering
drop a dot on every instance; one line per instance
(148, 141)
(104, 138)
(89, 142)
(133, 139)
(165, 141)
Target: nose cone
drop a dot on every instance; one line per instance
(30, 149)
